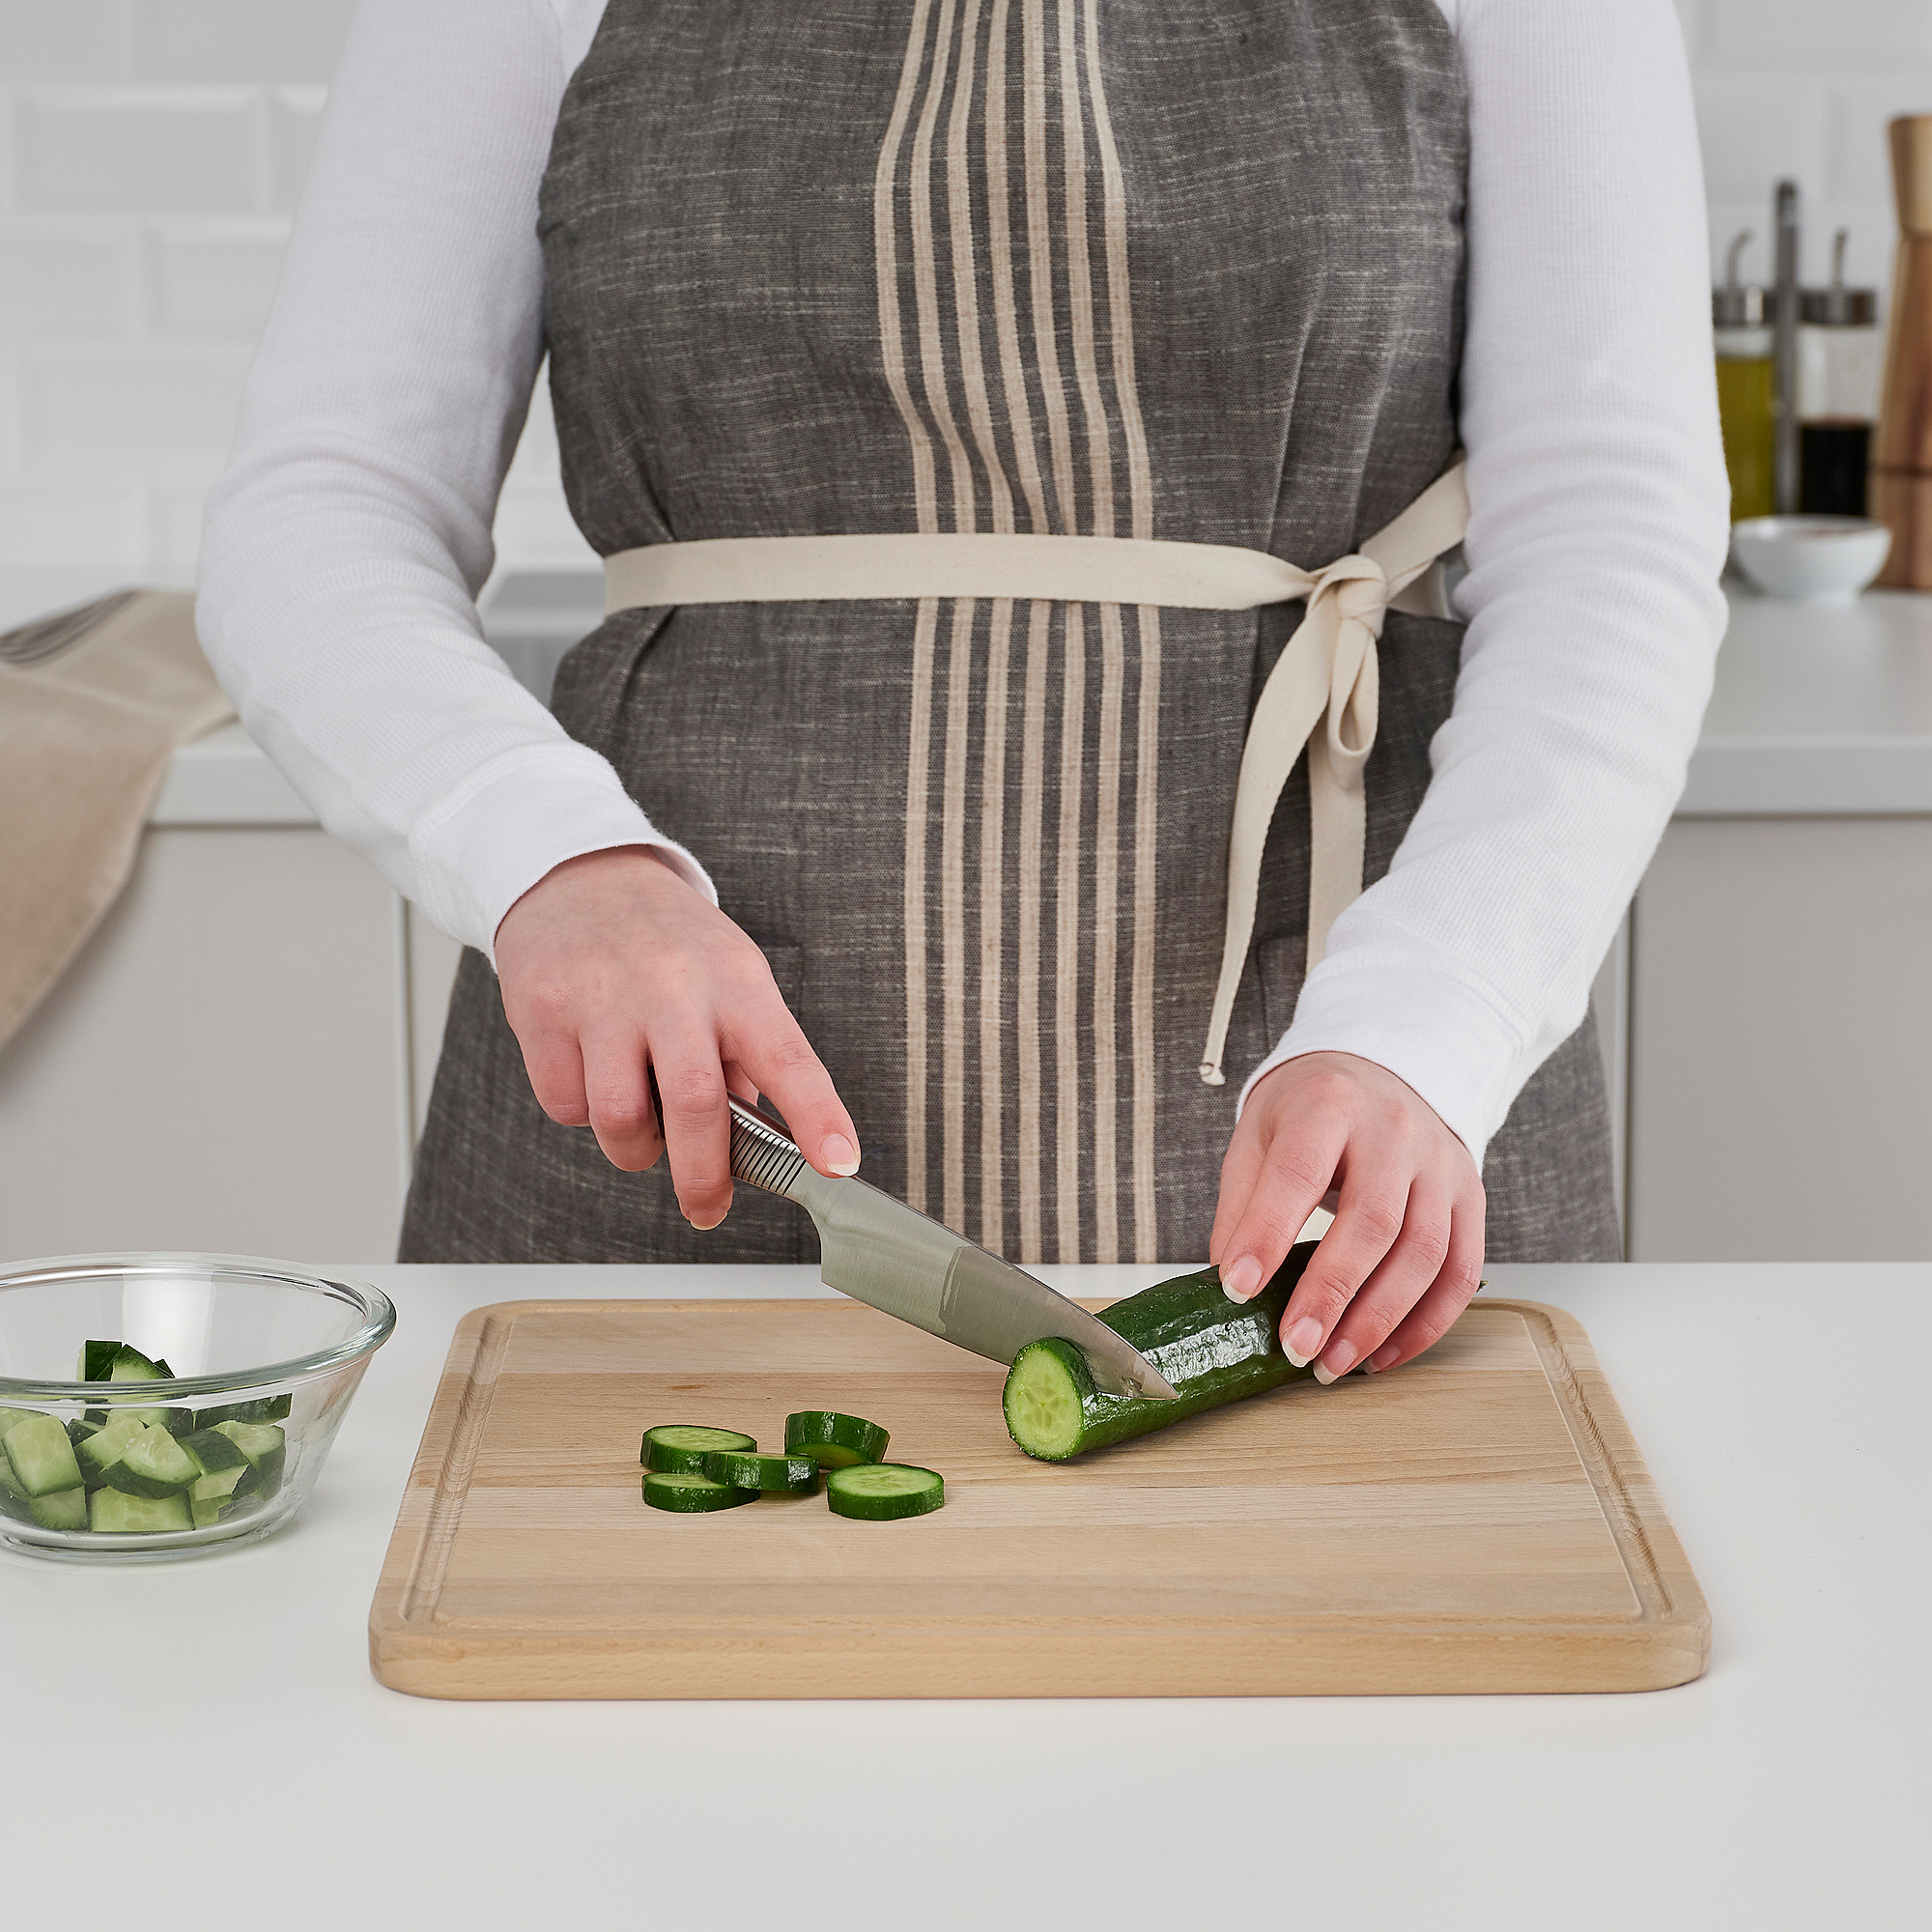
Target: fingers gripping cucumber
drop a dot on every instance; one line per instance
(1212, 1349)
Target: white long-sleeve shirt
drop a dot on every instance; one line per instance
(347, 541)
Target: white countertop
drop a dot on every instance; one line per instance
(1780, 1410)
(1817, 709)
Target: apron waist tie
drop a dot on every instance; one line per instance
(1325, 676)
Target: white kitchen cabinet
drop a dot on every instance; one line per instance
(220, 1067)
(1780, 1068)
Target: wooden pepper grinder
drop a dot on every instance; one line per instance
(1901, 475)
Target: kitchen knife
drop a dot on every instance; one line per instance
(885, 1254)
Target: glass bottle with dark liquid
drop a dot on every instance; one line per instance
(1839, 369)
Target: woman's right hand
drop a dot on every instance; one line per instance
(611, 962)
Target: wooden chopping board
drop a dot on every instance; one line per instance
(1480, 1520)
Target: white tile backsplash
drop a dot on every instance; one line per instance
(237, 40)
(1807, 35)
(141, 151)
(64, 39)
(147, 415)
(63, 282)
(211, 280)
(54, 528)
(152, 150)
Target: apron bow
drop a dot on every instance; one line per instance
(1326, 675)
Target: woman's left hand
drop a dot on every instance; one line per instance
(1405, 1251)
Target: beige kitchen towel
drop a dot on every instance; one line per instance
(93, 703)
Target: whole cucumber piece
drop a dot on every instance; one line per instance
(1211, 1350)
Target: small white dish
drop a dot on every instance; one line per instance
(1810, 559)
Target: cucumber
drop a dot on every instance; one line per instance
(65, 1509)
(42, 1457)
(692, 1495)
(681, 1447)
(884, 1491)
(152, 1464)
(222, 1484)
(96, 1361)
(101, 1450)
(129, 1365)
(115, 1513)
(206, 1510)
(835, 1441)
(266, 1448)
(261, 1409)
(769, 1475)
(1212, 1349)
(215, 1450)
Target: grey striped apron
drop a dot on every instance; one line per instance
(1188, 270)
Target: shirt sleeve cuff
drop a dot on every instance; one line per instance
(1435, 1032)
(515, 819)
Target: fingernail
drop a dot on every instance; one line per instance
(1301, 1340)
(838, 1154)
(1336, 1363)
(1240, 1280)
(1382, 1358)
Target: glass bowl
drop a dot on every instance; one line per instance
(263, 1357)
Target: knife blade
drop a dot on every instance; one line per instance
(893, 1258)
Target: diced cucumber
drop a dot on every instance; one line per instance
(692, 1495)
(681, 1447)
(883, 1491)
(129, 1365)
(152, 1464)
(65, 1509)
(259, 1408)
(116, 1513)
(266, 1447)
(769, 1475)
(207, 1510)
(215, 1450)
(835, 1441)
(42, 1457)
(222, 1483)
(101, 1450)
(96, 1361)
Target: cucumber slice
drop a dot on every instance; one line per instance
(883, 1491)
(65, 1509)
(214, 1451)
(152, 1464)
(692, 1495)
(96, 1361)
(266, 1447)
(129, 1365)
(682, 1446)
(222, 1484)
(835, 1441)
(259, 1408)
(116, 1513)
(1212, 1349)
(769, 1475)
(101, 1450)
(42, 1457)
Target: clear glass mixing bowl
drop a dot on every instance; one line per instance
(262, 1352)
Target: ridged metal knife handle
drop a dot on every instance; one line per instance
(763, 1155)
